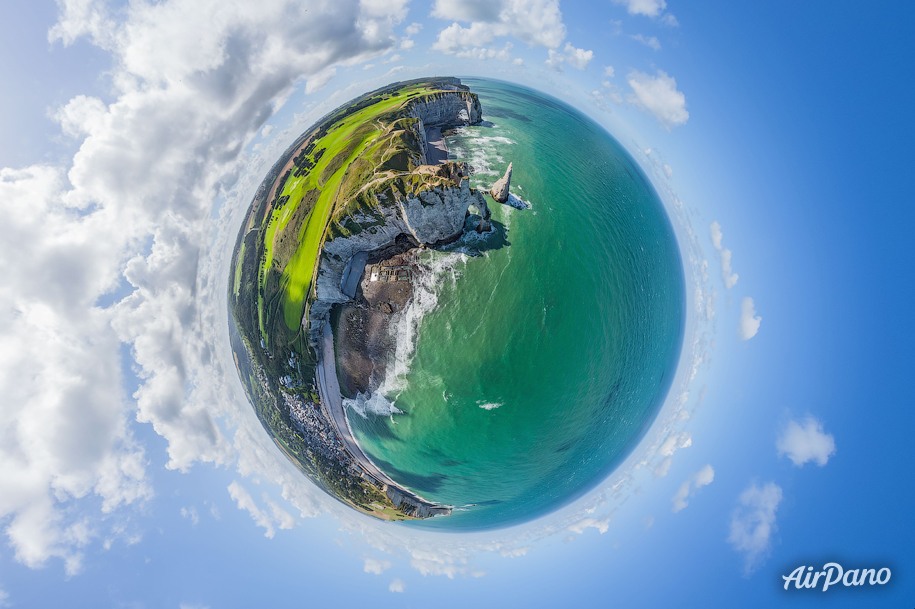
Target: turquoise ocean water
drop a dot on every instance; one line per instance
(527, 373)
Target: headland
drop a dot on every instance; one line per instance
(362, 189)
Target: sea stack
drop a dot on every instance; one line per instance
(485, 216)
(499, 190)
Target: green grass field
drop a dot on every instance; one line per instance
(358, 136)
(328, 184)
(236, 281)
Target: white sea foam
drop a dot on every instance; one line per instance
(432, 273)
(517, 202)
(435, 270)
(374, 403)
(483, 154)
(489, 405)
(488, 140)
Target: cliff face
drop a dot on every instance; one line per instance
(428, 217)
(444, 109)
(431, 217)
(447, 109)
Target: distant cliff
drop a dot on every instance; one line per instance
(428, 206)
(426, 218)
(445, 109)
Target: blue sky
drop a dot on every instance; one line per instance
(135, 475)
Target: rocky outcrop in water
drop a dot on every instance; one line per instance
(485, 215)
(499, 190)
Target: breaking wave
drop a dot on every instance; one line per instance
(517, 202)
(484, 155)
(374, 403)
(431, 274)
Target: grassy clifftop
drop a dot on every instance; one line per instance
(332, 173)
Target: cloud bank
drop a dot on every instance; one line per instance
(479, 30)
(122, 261)
(106, 250)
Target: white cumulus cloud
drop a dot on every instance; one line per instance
(397, 585)
(665, 450)
(703, 477)
(805, 441)
(577, 58)
(480, 30)
(580, 526)
(724, 256)
(190, 513)
(64, 414)
(651, 42)
(121, 265)
(749, 320)
(376, 566)
(649, 8)
(753, 522)
(269, 518)
(102, 253)
(659, 95)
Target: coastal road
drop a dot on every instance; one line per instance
(332, 404)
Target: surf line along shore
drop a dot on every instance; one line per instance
(335, 411)
(365, 339)
(435, 153)
(353, 315)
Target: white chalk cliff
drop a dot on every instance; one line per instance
(431, 216)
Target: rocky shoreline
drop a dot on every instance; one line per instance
(363, 328)
(365, 278)
(329, 207)
(385, 245)
(428, 218)
(364, 323)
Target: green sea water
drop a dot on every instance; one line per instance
(533, 360)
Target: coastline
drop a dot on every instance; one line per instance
(335, 412)
(302, 251)
(435, 153)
